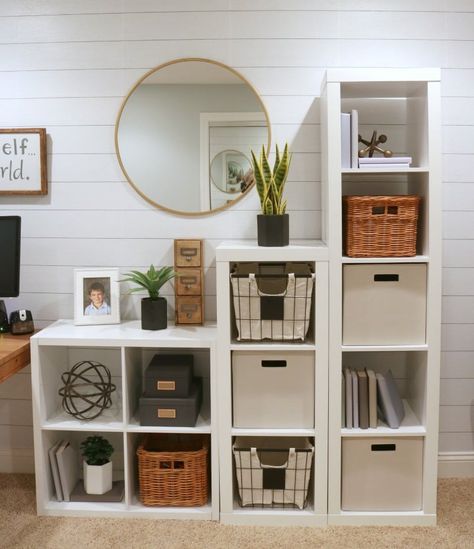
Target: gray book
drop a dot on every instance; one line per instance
(363, 399)
(348, 384)
(54, 469)
(372, 384)
(68, 469)
(343, 401)
(355, 399)
(390, 402)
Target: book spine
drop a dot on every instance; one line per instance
(355, 400)
(355, 138)
(349, 416)
(372, 385)
(378, 166)
(345, 140)
(385, 160)
(363, 400)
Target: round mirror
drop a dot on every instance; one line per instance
(231, 172)
(184, 134)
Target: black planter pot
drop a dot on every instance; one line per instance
(273, 230)
(154, 314)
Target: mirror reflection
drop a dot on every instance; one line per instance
(184, 135)
(231, 172)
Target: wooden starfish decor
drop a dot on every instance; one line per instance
(373, 146)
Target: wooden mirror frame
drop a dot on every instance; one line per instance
(122, 107)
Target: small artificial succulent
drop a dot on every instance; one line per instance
(152, 280)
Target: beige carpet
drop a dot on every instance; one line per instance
(21, 528)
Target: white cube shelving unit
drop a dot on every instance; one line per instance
(126, 350)
(405, 105)
(315, 253)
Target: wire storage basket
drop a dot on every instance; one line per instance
(272, 300)
(172, 470)
(380, 226)
(273, 472)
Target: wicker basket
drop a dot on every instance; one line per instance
(172, 470)
(380, 226)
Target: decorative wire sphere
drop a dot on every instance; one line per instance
(87, 390)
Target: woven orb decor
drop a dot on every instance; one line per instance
(87, 390)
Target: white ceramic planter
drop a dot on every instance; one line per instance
(97, 478)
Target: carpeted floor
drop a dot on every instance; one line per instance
(21, 528)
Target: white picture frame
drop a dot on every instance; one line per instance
(96, 296)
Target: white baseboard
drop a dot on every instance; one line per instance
(17, 461)
(450, 464)
(455, 464)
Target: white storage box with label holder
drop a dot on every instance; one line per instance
(384, 304)
(272, 389)
(382, 473)
(273, 471)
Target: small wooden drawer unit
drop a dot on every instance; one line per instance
(169, 376)
(189, 310)
(188, 253)
(189, 283)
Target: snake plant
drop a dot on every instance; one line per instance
(271, 183)
(152, 280)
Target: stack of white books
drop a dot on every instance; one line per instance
(378, 162)
(65, 469)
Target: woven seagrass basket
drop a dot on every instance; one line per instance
(380, 226)
(172, 470)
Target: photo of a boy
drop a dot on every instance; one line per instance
(96, 298)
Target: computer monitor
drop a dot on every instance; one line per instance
(10, 242)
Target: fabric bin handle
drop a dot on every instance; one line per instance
(273, 363)
(383, 447)
(386, 278)
(291, 455)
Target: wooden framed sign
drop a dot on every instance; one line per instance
(23, 161)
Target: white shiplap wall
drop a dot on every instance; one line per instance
(66, 65)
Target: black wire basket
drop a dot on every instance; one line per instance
(272, 301)
(273, 472)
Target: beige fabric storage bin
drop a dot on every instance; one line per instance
(382, 473)
(384, 304)
(272, 389)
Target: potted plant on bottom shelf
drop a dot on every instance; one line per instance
(97, 465)
(154, 307)
(273, 222)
